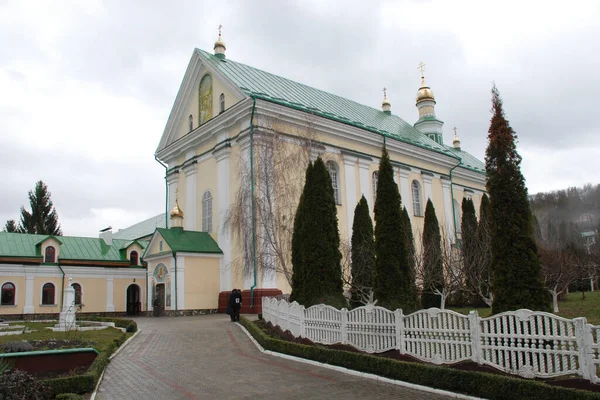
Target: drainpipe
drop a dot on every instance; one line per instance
(166, 193)
(62, 287)
(253, 201)
(452, 199)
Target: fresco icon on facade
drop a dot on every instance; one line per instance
(205, 99)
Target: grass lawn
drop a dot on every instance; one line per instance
(103, 338)
(573, 307)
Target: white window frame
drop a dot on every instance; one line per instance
(207, 199)
(191, 122)
(81, 286)
(334, 174)
(221, 103)
(15, 303)
(417, 198)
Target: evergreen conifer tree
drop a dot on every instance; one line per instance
(484, 248)
(11, 226)
(516, 270)
(43, 219)
(320, 247)
(410, 245)
(433, 267)
(298, 272)
(363, 253)
(394, 287)
(469, 246)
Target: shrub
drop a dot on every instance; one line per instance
(18, 385)
(16, 347)
(480, 384)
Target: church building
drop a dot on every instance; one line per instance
(235, 149)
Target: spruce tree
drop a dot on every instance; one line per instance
(320, 247)
(43, 219)
(484, 248)
(298, 271)
(469, 246)
(11, 226)
(517, 281)
(393, 278)
(363, 253)
(433, 267)
(410, 245)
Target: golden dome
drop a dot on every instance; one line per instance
(176, 211)
(386, 102)
(424, 92)
(220, 43)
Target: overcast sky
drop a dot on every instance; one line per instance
(86, 87)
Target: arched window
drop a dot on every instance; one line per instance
(8, 294)
(78, 296)
(416, 198)
(207, 211)
(335, 180)
(48, 294)
(191, 121)
(50, 255)
(133, 258)
(222, 103)
(375, 180)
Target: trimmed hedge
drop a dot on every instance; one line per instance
(481, 384)
(69, 396)
(86, 382)
(129, 325)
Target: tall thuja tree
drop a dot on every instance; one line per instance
(516, 278)
(363, 254)
(482, 274)
(393, 278)
(433, 267)
(298, 272)
(320, 248)
(410, 246)
(469, 247)
(43, 218)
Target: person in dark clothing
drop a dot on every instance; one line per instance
(229, 310)
(236, 303)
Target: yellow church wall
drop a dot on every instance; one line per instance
(38, 283)
(120, 292)
(155, 246)
(93, 293)
(19, 283)
(201, 283)
(206, 179)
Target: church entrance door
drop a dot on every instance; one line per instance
(159, 301)
(134, 305)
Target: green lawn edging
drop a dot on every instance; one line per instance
(86, 382)
(486, 385)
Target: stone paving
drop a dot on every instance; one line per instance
(209, 357)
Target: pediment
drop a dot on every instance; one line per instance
(200, 105)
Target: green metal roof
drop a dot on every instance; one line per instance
(468, 160)
(276, 89)
(179, 239)
(72, 247)
(141, 229)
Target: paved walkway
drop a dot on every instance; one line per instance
(208, 357)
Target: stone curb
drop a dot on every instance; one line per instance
(357, 373)
(95, 392)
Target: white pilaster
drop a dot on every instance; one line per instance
(180, 283)
(149, 298)
(448, 209)
(396, 173)
(350, 188)
(365, 182)
(247, 250)
(427, 185)
(28, 309)
(172, 182)
(222, 156)
(405, 191)
(191, 204)
(110, 292)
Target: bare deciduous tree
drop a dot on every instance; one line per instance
(558, 270)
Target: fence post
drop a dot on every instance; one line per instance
(475, 327)
(302, 322)
(584, 346)
(399, 323)
(344, 325)
(591, 354)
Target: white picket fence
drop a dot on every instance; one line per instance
(525, 343)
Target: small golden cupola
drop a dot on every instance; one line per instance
(424, 93)
(456, 141)
(386, 106)
(176, 216)
(428, 122)
(220, 45)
